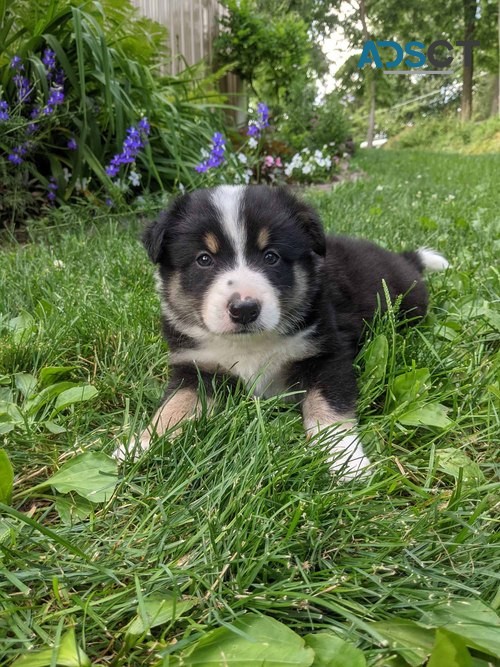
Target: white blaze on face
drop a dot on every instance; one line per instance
(240, 279)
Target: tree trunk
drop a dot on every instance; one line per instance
(495, 93)
(371, 117)
(370, 79)
(469, 7)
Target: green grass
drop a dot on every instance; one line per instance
(449, 134)
(238, 512)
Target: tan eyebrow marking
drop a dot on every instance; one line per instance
(263, 238)
(212, 242)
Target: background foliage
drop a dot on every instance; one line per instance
(111, 59)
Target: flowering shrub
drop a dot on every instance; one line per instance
(71, 104)
(312, 166)
(250, 163)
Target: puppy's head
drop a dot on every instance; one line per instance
(236, 259)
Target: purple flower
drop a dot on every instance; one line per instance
(72, 145)
(56, 97)
(32, 128)
(23, 88)
(253, 130)
(49, 60)
(35, 112)
(17, 63)
(15, 158)
(255, 127)
(52, 188)
(4, 110)
(134, 141)
(109, 202)
(144, 126)
(263, 112)
(59, 77)
(216, 157)
(18, 153)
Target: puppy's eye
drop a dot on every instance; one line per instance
(271, 257)
(204, 260)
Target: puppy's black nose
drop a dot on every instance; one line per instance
(244, 311)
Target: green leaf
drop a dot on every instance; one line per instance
(472, 620)
(412, 641)
(67, 654)
(45, 396)
(375, 356)
(6, 478)
(73, 508)
(53, 427)
(450, 651)
(430, 414)
(51, 374)
(92, 475)
(451, 461)
(410, 386)
(251, 641)
(26, 383)
(332, 651)
(21, 326)
(80, 394)
(158, 610)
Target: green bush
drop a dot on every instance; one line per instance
(105, 77)
(308, 123)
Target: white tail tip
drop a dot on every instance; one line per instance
(432, 260)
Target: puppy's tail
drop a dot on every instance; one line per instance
(426, 259)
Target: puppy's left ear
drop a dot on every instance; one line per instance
(310, 222)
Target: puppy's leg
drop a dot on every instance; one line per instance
(328, 410)
(182, 401)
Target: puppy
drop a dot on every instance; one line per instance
(251, 289)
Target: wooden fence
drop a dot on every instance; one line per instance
(192, 26)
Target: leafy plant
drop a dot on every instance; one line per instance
(73, 81)
(31, 403)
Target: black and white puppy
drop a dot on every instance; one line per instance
(252, 289)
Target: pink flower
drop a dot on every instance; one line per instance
(268, 161)
(277, 162)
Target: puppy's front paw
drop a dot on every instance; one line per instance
(347, 458)
(134, 449)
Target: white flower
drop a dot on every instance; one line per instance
(253, 143)
(81, 185)
(59, 264)
(134, 178)
(288, 170)
(379, 188)
(434, 196)
(182, 188)
(307, 168)
(242, 158)
(67, 174)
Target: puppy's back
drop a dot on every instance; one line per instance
(355, 270)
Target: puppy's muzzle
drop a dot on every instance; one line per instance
(243, 311)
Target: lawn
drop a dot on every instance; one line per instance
(238, 514)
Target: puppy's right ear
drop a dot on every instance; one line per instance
(158, 234)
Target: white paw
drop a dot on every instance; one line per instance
(133, 449)
(347, 457)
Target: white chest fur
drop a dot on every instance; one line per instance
(259, 360)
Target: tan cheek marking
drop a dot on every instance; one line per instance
(318, 414)
(263, 238)
(212, 242)
(179, 407)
